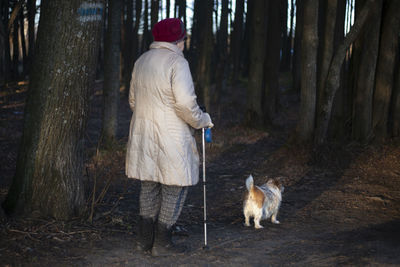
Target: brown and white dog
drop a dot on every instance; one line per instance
(262, 202)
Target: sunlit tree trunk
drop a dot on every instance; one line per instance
(309, 45)
(389, 47)
(22, 42)
(112, 50)
(48, 178)
(333, 78)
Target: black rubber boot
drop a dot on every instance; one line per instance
(163, 245)
(145, 236)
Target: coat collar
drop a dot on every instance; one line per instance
(169, 46)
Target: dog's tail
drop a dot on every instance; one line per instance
(249, 182)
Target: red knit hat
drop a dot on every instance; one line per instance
(169, 30)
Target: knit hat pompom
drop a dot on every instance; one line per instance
(169, 30)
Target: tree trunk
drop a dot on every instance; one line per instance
(287, 46)
(127, 45)
(146, 33)
(309, 44)
(112, 49)
(396, 104)
(341, 102)
(205, 49)
(362, 114)
(3, 39)
(272, 60)
(168, 7)
(254, 112)
(221, 57)
(236, 41)
(389, 47)
(138, 15)
(15, 46)
(48, 178)
(283, 10)
(333, 78)
(296, 68)
(327, 50)
(7, 48)
(31, 30)
(155, 7)
(22, 42)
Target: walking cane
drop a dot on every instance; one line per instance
(206, 137)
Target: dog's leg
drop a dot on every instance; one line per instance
(246, 218)
(257, 224)
(273, 218)
(257, 218)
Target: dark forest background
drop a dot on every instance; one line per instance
(341, 56)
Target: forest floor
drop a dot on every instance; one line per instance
(341, 205)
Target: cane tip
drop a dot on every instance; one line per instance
(206, 247)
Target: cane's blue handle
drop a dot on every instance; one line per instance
(208, 135)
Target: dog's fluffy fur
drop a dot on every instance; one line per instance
(262, 202)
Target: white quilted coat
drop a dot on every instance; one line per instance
(161, 146)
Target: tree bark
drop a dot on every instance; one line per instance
(396, 104)
(362, 113)
(138, 15)
(112, 49)
(48, 178)
(155, 7)
(31, 30)
(15, 41)
(205, 50)
(341, 100)
(327, 50)
(389, 47)
(237, 37)
(3, 34)
(254, 111)
(127, 45)
(272, 60)
(168, 7)
(309, 44)
(287, 46)
(22, 42)
(146, 33)
(333, 78)
(296, 68)
(221, 57)
(7, 48)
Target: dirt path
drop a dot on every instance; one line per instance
(340, 206)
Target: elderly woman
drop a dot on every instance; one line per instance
(161, 150)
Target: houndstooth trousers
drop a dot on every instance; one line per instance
(162, 202)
